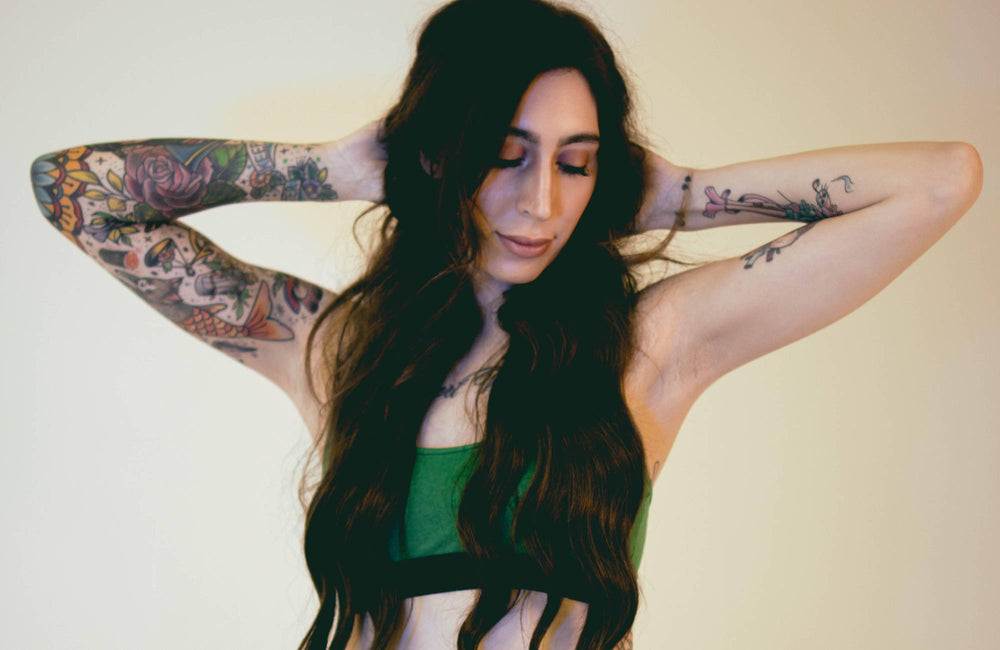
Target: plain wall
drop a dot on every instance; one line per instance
(842, 492)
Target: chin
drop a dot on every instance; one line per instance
(519, 273)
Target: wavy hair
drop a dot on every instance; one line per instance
(556, 400)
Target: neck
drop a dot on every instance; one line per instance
(489, 295)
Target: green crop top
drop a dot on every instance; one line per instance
(433, 558)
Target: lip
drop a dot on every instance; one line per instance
(524, 246)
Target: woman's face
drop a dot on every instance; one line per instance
(531, 201)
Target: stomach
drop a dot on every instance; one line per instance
(435, 619)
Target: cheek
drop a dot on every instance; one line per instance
(583, 200)
(489, 202)
(580, 199)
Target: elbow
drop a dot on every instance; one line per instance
(42, 181)
(960, 179)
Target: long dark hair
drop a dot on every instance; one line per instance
(556, 401)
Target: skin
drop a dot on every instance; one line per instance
(691, 328)
(544, 179)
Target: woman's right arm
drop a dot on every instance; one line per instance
(120, 203)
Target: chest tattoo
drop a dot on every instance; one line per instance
(481, 378)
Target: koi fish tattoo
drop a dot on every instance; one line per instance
(201, 320)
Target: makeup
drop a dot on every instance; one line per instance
(524, 246)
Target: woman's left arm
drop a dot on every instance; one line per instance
(804, 187)
(868, 212)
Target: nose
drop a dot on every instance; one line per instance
(539, 193)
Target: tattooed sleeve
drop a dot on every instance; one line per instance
(159, 180)
(118, 202)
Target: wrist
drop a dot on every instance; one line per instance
(343, 175)
(357, 165)
(668, 195)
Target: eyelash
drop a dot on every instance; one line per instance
(505, 163)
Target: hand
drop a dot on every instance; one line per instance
(360, 160)
(664, 192)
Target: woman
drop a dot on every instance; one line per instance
(498, 323)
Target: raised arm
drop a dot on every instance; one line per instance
(775, 190)
(120, 203)
(156, 181)
(868, 213)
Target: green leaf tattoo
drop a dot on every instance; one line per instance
(230, 161)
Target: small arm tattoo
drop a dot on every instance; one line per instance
(769, 250)
(802, 211)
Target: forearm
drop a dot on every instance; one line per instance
(161, 180)
(804, 188)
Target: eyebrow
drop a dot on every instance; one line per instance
(572, 139)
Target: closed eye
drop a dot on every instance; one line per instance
(508, 162)
(572, 169)
(576, 161)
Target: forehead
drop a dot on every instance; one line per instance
(557, 104)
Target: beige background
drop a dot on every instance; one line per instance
(841, 493)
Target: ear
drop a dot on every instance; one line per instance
(430, 167)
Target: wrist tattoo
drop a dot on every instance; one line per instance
(680, 216)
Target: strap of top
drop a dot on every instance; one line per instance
(458, 571)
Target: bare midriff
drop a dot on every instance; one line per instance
(435, 619)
